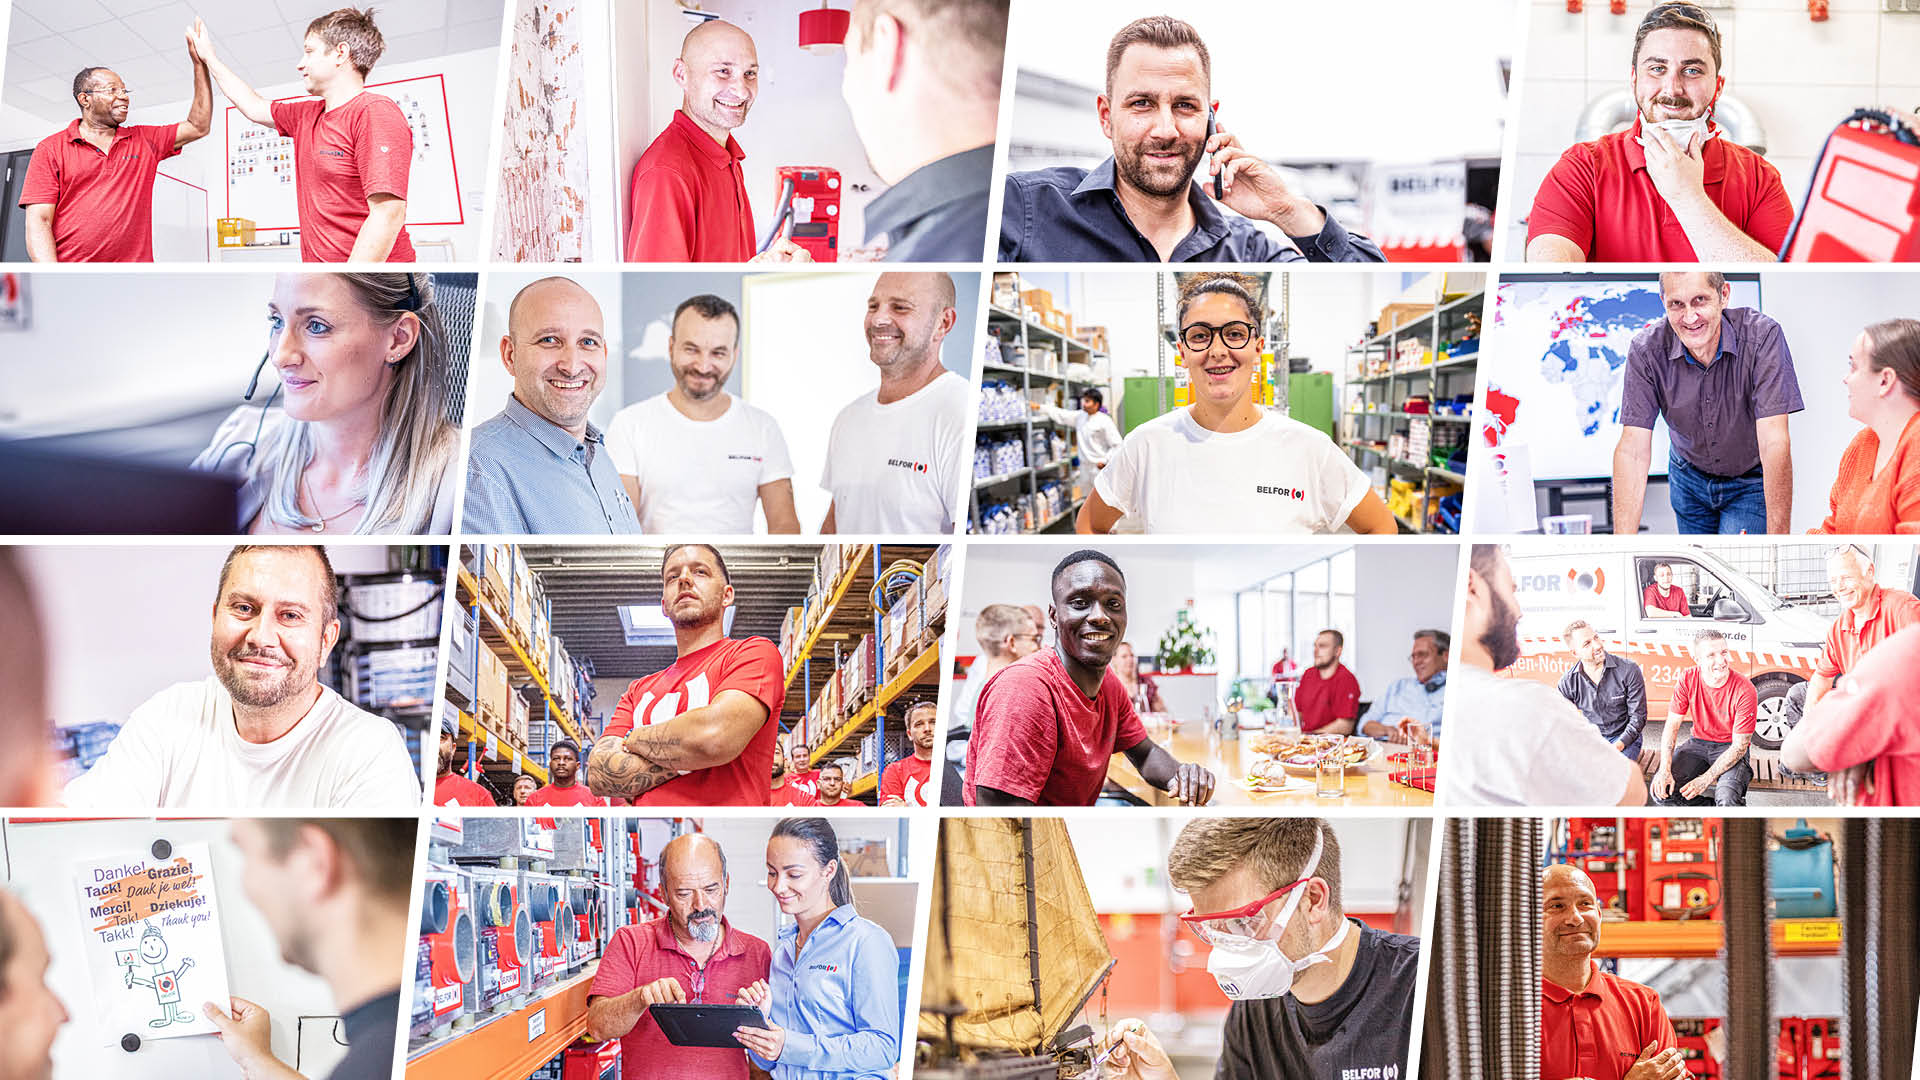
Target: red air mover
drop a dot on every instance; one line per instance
(447, 935)
(601, 1062)
(1864, 202)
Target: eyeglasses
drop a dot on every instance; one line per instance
(1199, 336)
(109, 91)
(1240, 924)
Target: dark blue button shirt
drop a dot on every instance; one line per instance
(1072, 215)
(938, 212)
(1617, 704)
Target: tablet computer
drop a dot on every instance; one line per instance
(705, 1025)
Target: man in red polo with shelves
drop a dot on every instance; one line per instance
(1672, 188)
(694, 956)
(703, 731)
(88, 192)
(352, 148)
(1592, 1024)
(688, 200)
(563, 765)
(1327, 700)
(449, 787)
(904, 782)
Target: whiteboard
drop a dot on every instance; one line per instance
(40, 856)
(261, 173)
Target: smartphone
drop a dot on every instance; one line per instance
(1219, 186)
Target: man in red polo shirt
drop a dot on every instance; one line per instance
(563, 765)
(88, 193)
(688, 200)
(1662, 599)
(785, 791)
(1869, 614)
(1048, 724)
(798, 775)
(1673, 188)
(1861, 734)
(694, 956)
(904, 783)
(703, 731)
(1328, 698)
(833, 787)
(449, 787)
(1593, 1024)
(352, 149)
(1710, 768)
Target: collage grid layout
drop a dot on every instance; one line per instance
(603, 546)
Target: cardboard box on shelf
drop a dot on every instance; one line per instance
(521, 718)
(234, 232)
(1037, 302)
(496, 568)
(1400, 313)
(866, 858)
(491, 691)
(1093, 337)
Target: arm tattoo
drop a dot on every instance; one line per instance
(612, 771)
(661, 747)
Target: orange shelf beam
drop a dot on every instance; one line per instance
(1698, 938)
(501, 1049)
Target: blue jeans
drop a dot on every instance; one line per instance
(1704, 502)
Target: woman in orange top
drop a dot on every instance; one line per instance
(1878, 489)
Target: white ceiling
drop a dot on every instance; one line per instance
(145, 42)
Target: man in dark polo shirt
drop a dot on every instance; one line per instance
(1593, 1024)
(694, 956)
(1672, 188)
(922, 84)
(1047, 725)
(1316, 995)
(1722, 378)
(1610, 691)
(1143, 204)
(688, 199)
(88, 192)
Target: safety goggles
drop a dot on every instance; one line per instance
(1240, 924)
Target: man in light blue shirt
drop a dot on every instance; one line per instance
(539, 466)
(1413, 703)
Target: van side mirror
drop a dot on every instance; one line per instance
(1727, 609)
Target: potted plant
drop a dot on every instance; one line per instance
(1185, 645)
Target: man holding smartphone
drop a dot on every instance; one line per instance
(1141, 205)
(693, 956)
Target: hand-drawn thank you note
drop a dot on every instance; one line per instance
(153, 946)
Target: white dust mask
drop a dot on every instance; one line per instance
(1253, 968)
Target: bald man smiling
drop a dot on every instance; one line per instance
(1593, 1024)
(688, 201)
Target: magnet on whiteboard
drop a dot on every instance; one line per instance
(129, 1042)
(162, 849)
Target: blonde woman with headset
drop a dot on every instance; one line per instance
(359, 441)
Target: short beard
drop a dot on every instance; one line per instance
(1499, 638)
(296, 679)
(706, 617)
(1128, 162)
(703, 926)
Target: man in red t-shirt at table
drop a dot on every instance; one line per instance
(449, 787)
(1710, 768)
(687, 200)
(1861, 733)
(703, 732)
(1048, 724)
(352, 148)
(694, 956)
(1593, 1024)
(1662, 599)
(88, 192)
(563, 765)
(1327, 700)
(904, 782)
(1673, 187)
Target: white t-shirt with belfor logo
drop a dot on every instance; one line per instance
(1171, 475)
(896, 468)
(697, 476)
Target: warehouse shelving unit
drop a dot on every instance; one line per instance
(1700, 939)
(1019, 327)
(849, 614)
(1384, 396)
(512, 1045)
(498, 753)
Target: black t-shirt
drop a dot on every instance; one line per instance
(370, 1034)
(1360, 1033)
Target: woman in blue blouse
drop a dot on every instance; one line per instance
(833, 1001)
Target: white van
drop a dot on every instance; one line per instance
(1772, 644)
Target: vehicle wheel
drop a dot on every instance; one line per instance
(1782, 697)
